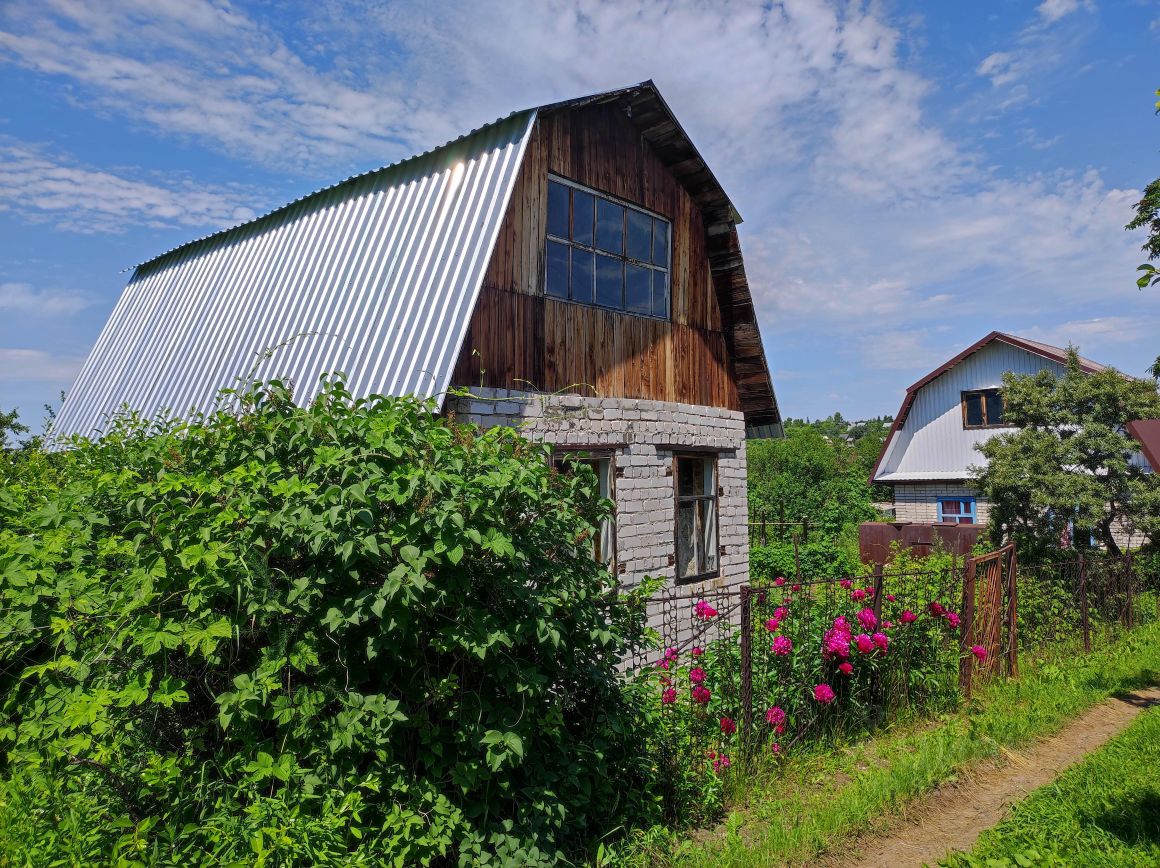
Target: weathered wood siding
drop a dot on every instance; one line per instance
(520, 339)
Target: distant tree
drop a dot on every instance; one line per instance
(1148, 217)
(10, 428)
(1069, 464)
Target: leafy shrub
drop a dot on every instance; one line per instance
(342, 633)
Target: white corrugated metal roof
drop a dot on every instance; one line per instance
(375, 277)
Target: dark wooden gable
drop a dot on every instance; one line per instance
(704, 355)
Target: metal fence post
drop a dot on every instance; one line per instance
(1085, 624)
(967, 628)
(1130, 577)
(746, 668)
(1012, 614)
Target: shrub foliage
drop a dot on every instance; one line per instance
(351, 631)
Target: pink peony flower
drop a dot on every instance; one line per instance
(824, 694)
(980, 652)
(775, 748)
(728, 726)
(865, 643)
(796, 587)
(670, 653)
(882, 641)
(772, 624)
(720, 763)
(953, 619)
(890, 597)
(846, 583)
(781, 646)
(886, 625)
(846, 667)
(835, 643)
(669, 696)
(908, 617)
(698, 651)
(857, 595)
(775, 716)
(937, 609)
(840, 623)
(697, 675)
(703, 610)
(780, 612)
(701, 694)
(779, 581)
(868, 619)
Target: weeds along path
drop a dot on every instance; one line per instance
(954, 815)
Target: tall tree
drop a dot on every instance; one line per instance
(1070, 463)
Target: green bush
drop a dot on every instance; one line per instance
(347, 632)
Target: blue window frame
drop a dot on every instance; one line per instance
(957, 510)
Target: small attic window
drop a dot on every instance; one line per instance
(983, 408)
(604, 252)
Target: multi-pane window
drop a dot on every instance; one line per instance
(604, 543)
(604, 252)
(982, 408)
(696, 517)
(957, 510)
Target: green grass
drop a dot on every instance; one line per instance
(1103, 811)
(821, 800)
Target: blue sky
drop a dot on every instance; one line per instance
(912, 175)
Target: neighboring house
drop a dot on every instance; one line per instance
(930, 449)
(576, 266)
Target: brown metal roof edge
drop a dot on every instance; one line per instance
(1146, 432)
(1041, 350)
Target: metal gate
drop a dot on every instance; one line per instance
(989, 617)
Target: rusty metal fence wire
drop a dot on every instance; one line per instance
(760, 669)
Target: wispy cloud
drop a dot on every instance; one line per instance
(37, 366)
(23, 298)
(40, 186)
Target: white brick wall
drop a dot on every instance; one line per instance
(918, 501)
(643, 436)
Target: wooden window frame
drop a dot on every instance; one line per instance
(559, 453)
(964, 499)
(624, 259)
(983, 394)
(678, 500)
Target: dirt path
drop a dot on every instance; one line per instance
(954, 815)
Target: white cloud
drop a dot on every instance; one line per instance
(43, 187)
(25, 365)
(25, 299)
(1053, 10)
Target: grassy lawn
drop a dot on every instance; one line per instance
(822, 800)
(1103, 811)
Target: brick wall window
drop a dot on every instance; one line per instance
(603, 465)
(697, 547)
(957, 510)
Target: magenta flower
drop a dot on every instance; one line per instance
(868, 619)
(779, 581)
(846, 583)
(846, 667)
(836, 643)
(865, 643)
(980, 652)
(721, 762)
(937, 609)
(772, 624)
(886, 625)
(953, 619)
(775, 716)
(698, 651)
(857, 595)
(669, 696)
(728, 725)
(703, 610)
(701, 694)
(882, 641)
(796, 587)
(908, 617)
(775, 748)
(697, 675)
(890, 597)
(824, 694)
(780, 613)
(781, 646)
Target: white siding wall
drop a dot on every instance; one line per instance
(932, 444)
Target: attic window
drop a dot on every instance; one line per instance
(604, 252)
(983, 408)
